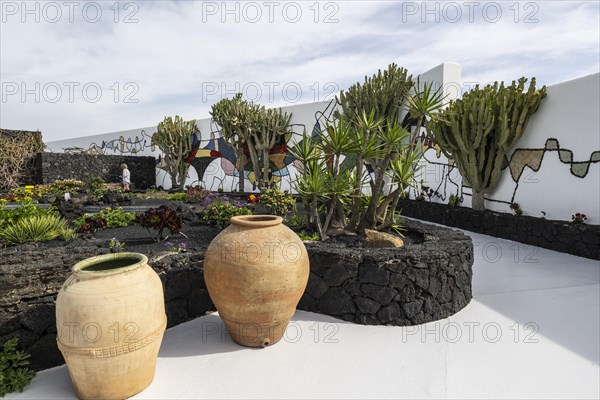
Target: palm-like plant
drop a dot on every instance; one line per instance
(366, 144)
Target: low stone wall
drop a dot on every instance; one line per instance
(578, 239)
(55, 166)
(411, 285)
(32, 274)
(406, 286)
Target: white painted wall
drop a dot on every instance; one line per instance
(569, 114)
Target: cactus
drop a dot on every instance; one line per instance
(383, 93)
(272, 124)
(477, 131)
(245, 123)
(174, 139)
(236, 119)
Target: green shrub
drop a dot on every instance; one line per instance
(296, 221)
(219, 213)
(111, 217)
(14, 374)
(27, 209)
(35, 229)
(153, 194)
(178, 197)
(58, 188)
(62, 186)
(453, 200)
(308, 236)
(277, 202)
(96, 186)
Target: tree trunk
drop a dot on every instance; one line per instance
(478, 200)
(255, 163)
(266, 168)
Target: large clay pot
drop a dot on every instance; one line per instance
(256, 270)
(110, 317)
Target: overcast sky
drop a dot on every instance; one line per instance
(83, 68)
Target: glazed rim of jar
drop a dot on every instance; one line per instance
(88, 262)
(256, 221)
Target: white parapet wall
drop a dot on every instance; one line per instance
(554, 169)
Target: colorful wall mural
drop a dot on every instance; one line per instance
(554, 171)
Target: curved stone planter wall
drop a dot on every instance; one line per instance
(411, 285)
(406, 286)
(581, 240)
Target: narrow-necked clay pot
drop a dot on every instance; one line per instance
(110, 317)
(256, 270)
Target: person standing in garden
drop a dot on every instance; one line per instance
(125, 177)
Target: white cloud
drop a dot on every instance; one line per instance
(176, 50)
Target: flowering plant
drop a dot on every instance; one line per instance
(578, 218)
(216, 197)
(177, 248)
(277, 202)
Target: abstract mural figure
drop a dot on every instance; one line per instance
(124, 146)
(280, 158)
(519, 159)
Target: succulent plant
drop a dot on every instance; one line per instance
(174, 138)
(477, 131)
(248, 124)
(159, 219)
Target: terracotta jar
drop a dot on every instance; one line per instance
(256, 270)
(110, 317)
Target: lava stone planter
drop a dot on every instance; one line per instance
(417, 283)
(578, 239)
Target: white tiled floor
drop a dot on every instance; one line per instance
(531, 331)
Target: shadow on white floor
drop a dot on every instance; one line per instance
(531, 331)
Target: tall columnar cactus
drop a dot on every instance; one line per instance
(236, 118)
(174, 139)
(245, 123)
(271, 125)
(383, 93)
(477, 131)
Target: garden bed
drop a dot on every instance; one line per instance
(428, 279)
(423, 281)
(577, 239)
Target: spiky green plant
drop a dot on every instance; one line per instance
(174, 139)
(367, 145)
(477, 131)
(36, 229)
